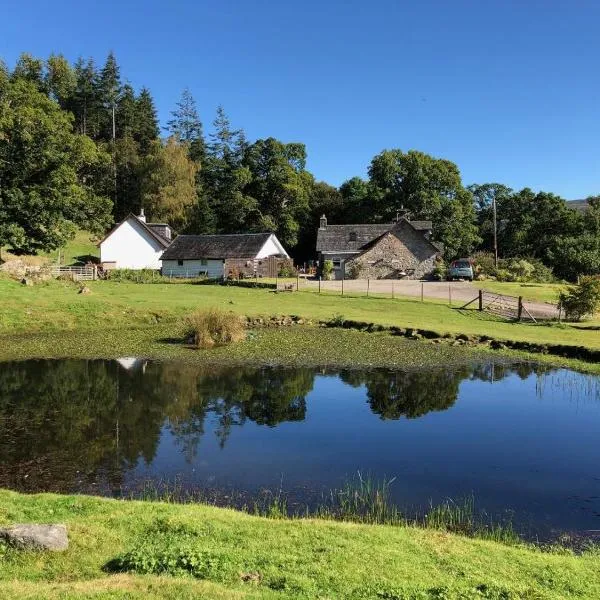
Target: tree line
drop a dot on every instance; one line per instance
(81, 148)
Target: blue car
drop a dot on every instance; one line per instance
(460, 269)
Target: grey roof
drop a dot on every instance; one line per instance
(237, 245)
(336, 238)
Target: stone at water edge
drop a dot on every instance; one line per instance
(36, 537)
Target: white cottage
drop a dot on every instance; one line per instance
(218, 256)
(135, 244)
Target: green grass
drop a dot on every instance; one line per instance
(534, 292)
(57, 306)
(76, 251)
(199, 551)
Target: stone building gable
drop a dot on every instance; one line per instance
(402, 250)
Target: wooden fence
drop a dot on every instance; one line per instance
(88, 273)
(509, 307)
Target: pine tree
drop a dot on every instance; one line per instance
(109, 86)
(86, 101)
(186, 125)
(146, 121)
(226, 143)
(126, 114)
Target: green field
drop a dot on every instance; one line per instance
(56, 306)
(535, 292)
(221, 553)
(78, 251)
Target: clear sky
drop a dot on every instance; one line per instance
(507, 89)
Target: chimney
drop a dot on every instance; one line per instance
(323, 222)
(142, 216)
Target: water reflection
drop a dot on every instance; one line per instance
(101, 426)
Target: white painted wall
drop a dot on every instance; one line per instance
(131, 247)
(271, 247)
(192, 268)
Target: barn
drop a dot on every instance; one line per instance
(222, 256)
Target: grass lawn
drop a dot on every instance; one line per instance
(199, 551)
(56, 306)
(534, 292)
(77, 251)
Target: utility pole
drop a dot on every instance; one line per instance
(495, 232)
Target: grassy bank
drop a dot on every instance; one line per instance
(77, 251)
(192, 551)
(58, 307)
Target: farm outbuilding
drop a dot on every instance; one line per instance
(227, 255)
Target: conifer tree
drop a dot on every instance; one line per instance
(146, 122)
(109, 86)
(187, 126)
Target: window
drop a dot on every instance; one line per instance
(352, 236)
(337, 264)
(203, 262)
(180, 263)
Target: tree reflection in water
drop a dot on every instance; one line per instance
(69, 425)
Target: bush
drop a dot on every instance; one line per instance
(327, 270)
(287, 270)
(483, 264)
(135, 275)
(214, 327)
(354, 270)
(439, 271)
(521, 269)
(582, 300)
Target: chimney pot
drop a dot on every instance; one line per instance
(142, 216)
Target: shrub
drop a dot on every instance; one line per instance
(327, 270)
(354, 270)
(135, 275)
(582, 300)
(439, 271)
(287, 270)
(483, 263)
(521, 269)
(214, 327)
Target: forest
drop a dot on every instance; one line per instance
(80, 148)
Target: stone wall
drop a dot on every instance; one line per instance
(405, 251)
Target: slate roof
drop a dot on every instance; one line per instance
(336, 238)
(193, 247)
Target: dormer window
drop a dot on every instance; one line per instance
(352, 236)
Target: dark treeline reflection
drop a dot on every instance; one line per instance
(73, 424)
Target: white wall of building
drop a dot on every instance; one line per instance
(271, 248)
(214, 268)
(129, 246)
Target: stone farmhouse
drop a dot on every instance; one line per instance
(378, 251)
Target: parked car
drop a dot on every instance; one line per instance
(460, 269)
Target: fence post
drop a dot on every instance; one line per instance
(520, 309)
(422, 291)
(480, 300)
(368, 285)
(342, 286)
(392, 289)
(319, 284)
(449, 294)
(276, 281)
(297, 282)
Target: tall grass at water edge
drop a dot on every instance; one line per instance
(360, 499)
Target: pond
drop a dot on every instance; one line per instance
(520, 439)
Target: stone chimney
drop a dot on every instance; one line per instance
(323, 222)
(142, 216)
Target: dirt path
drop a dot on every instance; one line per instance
(456, 292)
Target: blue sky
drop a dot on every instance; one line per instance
(507, 89)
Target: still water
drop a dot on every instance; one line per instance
(521, 439)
